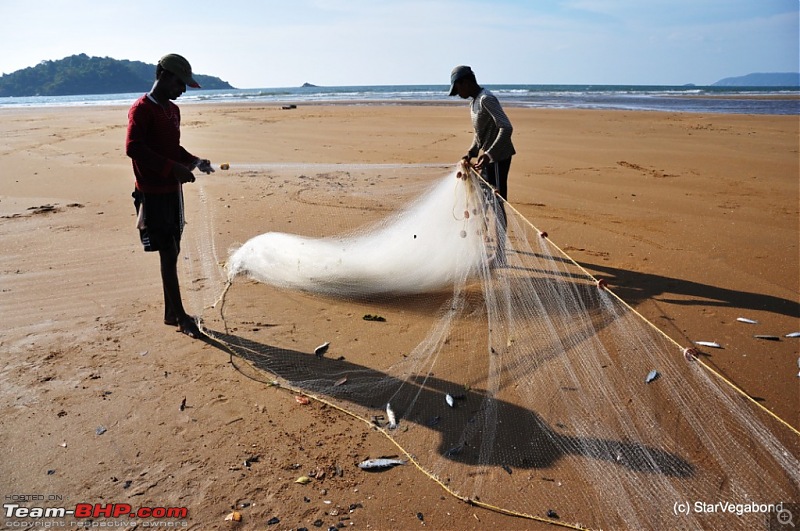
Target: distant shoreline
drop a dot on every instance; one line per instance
(683, 99)
(745, 96)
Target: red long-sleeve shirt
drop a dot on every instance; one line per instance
(153, 143)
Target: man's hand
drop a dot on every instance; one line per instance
(483, 160)
(204, 165)
(182, 173)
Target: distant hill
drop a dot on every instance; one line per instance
(781, 79)
(81, 74)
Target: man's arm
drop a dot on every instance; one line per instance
(504, 127)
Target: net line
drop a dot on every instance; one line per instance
(689, 353)
(488, 414)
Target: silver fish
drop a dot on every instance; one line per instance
(711, 344)
(746, 320)
(450, 400)
(793, 334)
(380, 462)
(455, 450)
(322, 349)
(652, 375)
(390, 415)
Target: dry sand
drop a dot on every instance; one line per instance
(693, 219)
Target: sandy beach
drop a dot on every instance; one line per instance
(692, 219)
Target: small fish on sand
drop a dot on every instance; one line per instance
(381, 462)
(746, 320)
(455, 450)
(652, 375)
(768, 338)
(391, 417)
(712, 344)
(793, 334)
(322, 349)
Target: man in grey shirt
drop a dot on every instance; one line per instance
(492, 137)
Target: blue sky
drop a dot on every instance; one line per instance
(383, 42)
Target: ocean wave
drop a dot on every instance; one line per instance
(726, 100)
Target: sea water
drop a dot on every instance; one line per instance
(694, 99)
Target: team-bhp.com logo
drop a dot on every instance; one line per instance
(95, 510)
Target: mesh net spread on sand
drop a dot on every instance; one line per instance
(521, 386)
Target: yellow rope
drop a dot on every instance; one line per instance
(642, 317)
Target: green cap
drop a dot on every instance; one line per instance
(180, 67)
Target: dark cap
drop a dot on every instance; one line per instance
(457, 73)
(180, 67)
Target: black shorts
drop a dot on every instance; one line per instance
(163, 220)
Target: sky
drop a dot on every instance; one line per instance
(261, 44)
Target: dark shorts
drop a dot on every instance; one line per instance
(163, 219)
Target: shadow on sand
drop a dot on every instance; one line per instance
(634, 287)
(518, 431)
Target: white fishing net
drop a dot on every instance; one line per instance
(555, 413)
(424, 248)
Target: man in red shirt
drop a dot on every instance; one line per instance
(161, 166)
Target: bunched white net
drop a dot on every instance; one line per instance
(425, 248)
(555, 412)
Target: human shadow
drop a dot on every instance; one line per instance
(479, 431)
(635, 287)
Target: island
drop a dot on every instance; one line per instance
(82, 74)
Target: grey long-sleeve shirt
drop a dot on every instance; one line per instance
(492, 128)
